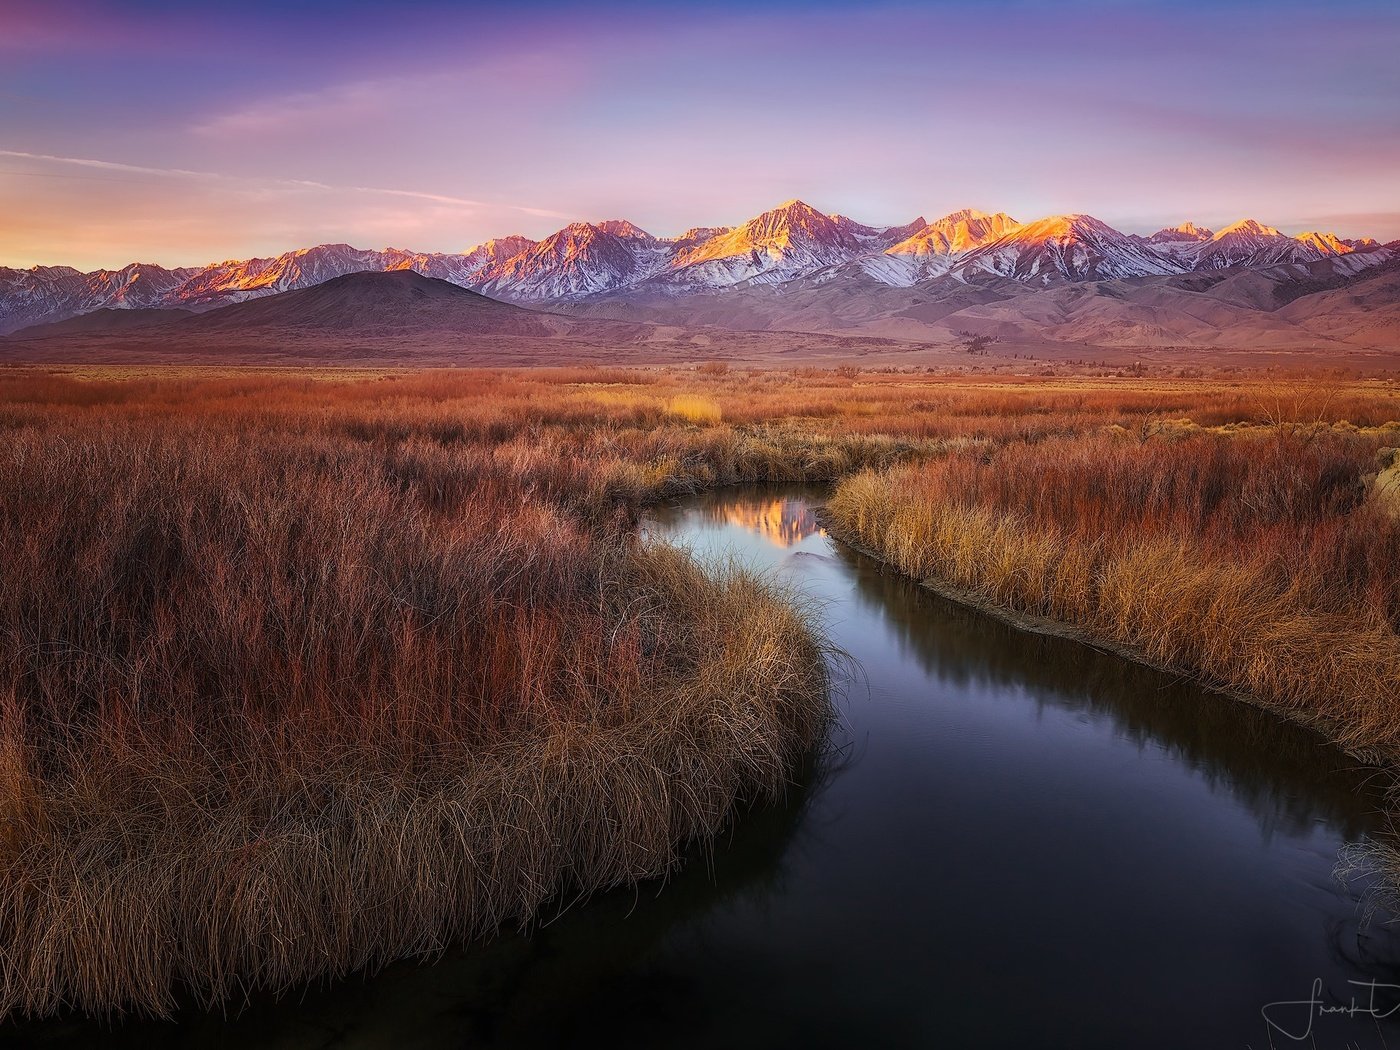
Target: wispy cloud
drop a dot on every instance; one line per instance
(523, 73)
(288, 114)
(304, 184)
(108, 165)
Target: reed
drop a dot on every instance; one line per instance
(1257, 561)
(308, 671)
(280, 704)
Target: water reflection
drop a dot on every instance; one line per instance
(782, 522)
(1257, 757)
(1142, 841)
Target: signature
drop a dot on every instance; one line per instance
(1301, 1013)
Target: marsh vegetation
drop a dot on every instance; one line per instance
(303, 673)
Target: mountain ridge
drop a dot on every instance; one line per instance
(780, 250)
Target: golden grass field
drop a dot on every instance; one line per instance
(301, 672)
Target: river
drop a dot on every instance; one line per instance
(1016, 841)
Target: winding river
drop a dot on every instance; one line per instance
(1017, 841)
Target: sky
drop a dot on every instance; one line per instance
(186, 133)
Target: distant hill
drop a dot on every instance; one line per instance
(398, 317)
(374, 304)
(105, 321)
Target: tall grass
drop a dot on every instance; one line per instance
(1257, 561)
(696, 409)
(280, 703)
(300, 673)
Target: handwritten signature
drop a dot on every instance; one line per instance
(1301, 1013)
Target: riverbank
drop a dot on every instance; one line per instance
(283, 697)
(1257, 564)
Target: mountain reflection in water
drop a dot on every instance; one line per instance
(783, 522)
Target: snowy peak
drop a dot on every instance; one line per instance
(237, 282)
(960, 232)
(700, 233)
(1251, 243)
(309, 266)
(1180, 243)
(932, 249)
(797, 222)
(498, 250)
(485, 262)
(1246, 228)
(580, 260)
(1072, 226)
(573, 239)
(1065, 247)
(1187, 232)
(875, 237)
(47, 293)
(624, 228)
(965, 215)
(892, 235)
(788, 241)
(135, 286)
(793, 242)
(1326, 243)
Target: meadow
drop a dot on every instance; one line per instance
(303, 672)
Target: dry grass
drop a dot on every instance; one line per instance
(284, 695)
(695, 409)
(303, 672)
(1256, 560)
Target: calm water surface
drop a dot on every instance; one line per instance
(1018, 842)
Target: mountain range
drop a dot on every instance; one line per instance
(1065, 277)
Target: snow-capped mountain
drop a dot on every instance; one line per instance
(1250, 243)
(793, 244)
(933, 248)
(580, 260)
(1185, 233)
(237, 281)
(698, 235)
(888, 237)
(1065, 247)
(1326, 243)
(472, 270)
(624, 228)
(1180, 243)
(49, 293)
(792, 240)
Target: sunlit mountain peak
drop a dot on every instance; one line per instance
(1250, 227)
(1327, 243)
(1187, 232)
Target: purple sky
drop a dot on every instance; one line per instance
(166, 133)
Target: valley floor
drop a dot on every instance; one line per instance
(303, 671)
